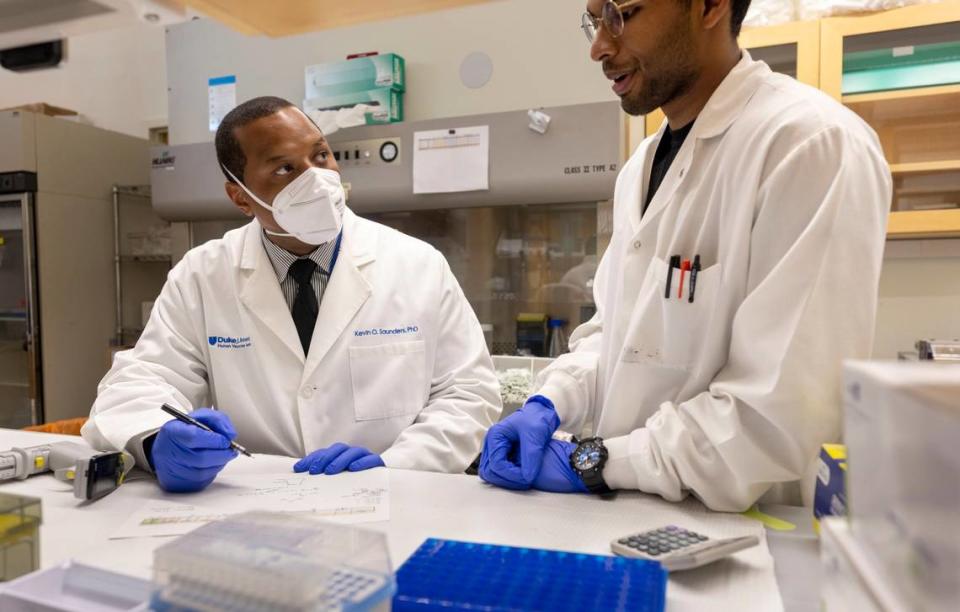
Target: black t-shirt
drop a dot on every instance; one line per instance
(667, 150)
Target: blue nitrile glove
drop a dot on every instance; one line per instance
(556, 474)
(514, 448)
(337, 458)
(187, 458)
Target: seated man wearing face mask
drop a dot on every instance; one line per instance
(316, 334)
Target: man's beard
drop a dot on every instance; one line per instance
(664, 82)
(659, 90)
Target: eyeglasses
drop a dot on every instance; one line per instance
(611, 17)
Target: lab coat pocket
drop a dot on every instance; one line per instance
(667, 330)
(685, 323)
(389, 380)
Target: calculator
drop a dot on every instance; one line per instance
(677, 548)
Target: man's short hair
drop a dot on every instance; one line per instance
(229, 152)
(738, 11)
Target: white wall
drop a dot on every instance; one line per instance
(117, 79)
(540, 58)
(919, 295)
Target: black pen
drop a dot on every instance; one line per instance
(693, 276)
(189, 420)
(675, 259)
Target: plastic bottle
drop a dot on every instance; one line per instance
(558, 340)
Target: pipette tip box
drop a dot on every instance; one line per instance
(449, 575)
(273, 561)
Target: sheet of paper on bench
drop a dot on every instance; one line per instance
(351, 497)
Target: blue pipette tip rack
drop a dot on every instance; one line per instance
(449, 575)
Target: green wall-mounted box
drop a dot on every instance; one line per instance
(359, 74)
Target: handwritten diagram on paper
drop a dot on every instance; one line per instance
(451, 160)
(346, 498)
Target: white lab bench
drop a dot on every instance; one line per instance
(456, 507)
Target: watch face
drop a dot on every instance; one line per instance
(587, 457)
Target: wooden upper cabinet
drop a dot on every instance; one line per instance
(287, 17)
(915, 109)
(900, 71)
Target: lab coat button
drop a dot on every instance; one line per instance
(681, 172)
(306, 393)
(637, 244)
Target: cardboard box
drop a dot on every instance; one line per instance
(358, 74)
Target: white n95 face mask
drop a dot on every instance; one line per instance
(310, 208)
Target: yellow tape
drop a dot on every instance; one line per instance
(771, 522)
(38, 461)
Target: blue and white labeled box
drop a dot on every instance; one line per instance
(358, 74)
(830, 495)
(902, 431)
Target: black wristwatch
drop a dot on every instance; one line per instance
(587, 460)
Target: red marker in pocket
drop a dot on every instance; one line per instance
(684, 268)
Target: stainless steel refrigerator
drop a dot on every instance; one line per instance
(57, 299)
(21, 388)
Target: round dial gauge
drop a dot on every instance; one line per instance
(389, 152)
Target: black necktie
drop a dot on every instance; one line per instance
(305, 305)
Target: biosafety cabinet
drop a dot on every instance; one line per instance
(529, 244)
(56, 261)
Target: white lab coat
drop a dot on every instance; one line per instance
(397, 363)
(784, 194)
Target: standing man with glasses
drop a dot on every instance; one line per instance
(748, 239)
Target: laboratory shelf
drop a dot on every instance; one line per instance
(147, 258)
(13, 315)
(921, 190)
(924, 224)
(921, 93)
(925, 167)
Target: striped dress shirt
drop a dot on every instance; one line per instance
(283, 259)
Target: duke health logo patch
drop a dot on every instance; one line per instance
(229, 342)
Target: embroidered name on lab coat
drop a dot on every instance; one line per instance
(380, 331)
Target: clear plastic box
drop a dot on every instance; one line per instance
(20, 519)
(851, 577)
(901, 427)
(273, 561)
(73, 586)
